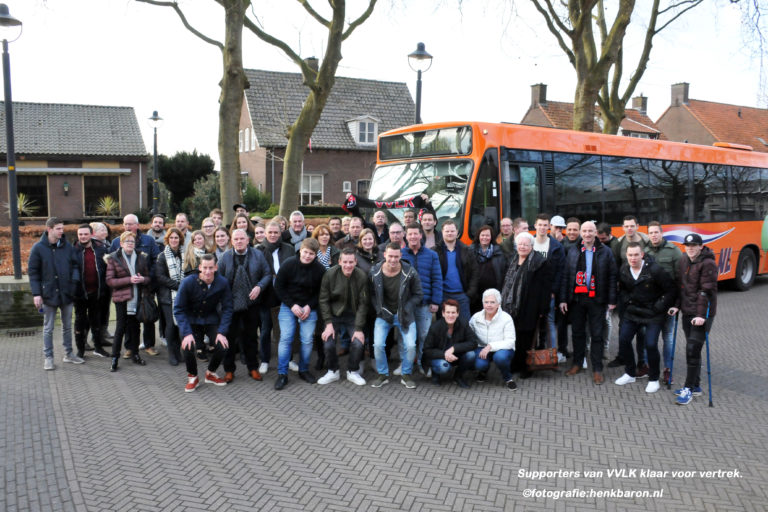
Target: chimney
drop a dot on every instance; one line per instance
(538, 94)
(312, 63)
(680, 94)
(640, 103)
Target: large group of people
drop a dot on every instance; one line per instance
(361, 289)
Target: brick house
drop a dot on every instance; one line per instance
(707, 122)
(558, 114)
(68, 157)
(342, 151)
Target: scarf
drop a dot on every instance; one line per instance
(582, 287)
(324, 257)
(483, 255)
(131, 262)
(515, 283)
(296, 238)
(174, 262)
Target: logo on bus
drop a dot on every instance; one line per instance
(678, 235)
(403, 203)
(724, 260)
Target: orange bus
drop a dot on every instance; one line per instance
(477, 173)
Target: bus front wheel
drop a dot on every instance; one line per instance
(745, 270)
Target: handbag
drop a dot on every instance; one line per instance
(146, 310)
(541, 359)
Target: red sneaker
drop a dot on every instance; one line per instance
(192, 383)
(212, 378)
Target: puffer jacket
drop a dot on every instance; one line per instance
(462, 340)
(498, 332)
(366, 260)
(54, 272)
(698, 284)
(119, 275)
(647, 298)
(427, 264)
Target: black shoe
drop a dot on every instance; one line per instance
(113, 367)
(461, 383)
(100, 352)
(615, 363)
(201, 355)
(481, 377)
(281, 382)
(138, 360)
(435, 379)
(307, 377)
(172, 359)
(511, 385)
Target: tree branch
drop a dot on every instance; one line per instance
(175, 7)
(312, 12)
(353, 25)
(692, 4)
(554, 30)
(269, 39)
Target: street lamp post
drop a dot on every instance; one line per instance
(420, 61)
(10, 28)
(155, 121)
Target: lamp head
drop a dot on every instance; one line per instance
(10, 27)
(420, 60)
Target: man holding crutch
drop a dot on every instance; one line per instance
(697, 301)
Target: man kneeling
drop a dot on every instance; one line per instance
(450, 344)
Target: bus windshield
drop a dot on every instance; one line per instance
(444, 181)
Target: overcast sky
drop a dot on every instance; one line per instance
(486, 56)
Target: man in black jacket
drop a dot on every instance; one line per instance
(247, 272)
(53, 277)
(450, 343)
(646, 292)
(459, 268)
(587, 287)
(92, 289)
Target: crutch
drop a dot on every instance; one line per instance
(709, 369)
(672, 361)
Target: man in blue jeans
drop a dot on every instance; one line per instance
(427, 265)
(395, 295)
(298, 287)
(646, 292)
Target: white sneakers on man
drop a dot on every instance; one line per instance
(652, 387)
(625, 379)
(355, 378)
(263, 368)
(398, 370)
(329, 377)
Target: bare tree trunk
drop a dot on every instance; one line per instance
(233, 83)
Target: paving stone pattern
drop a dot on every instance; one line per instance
(80, 438)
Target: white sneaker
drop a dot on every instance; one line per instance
(652, 387)
(584, 364)
(355, 378)
(561, 358)
(329, 377)
(627, 379)
(263, 368)
(72, 358)
(164, 342)
(141, 346)
(48, 364)
(398, 370)
(293, 366)
(429, 373)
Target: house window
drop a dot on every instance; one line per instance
(253, 139)
(35, 190)
(247, 139)
(311, 189)
(363, 186)
(96, 188)
(367, 132)
(242, 140)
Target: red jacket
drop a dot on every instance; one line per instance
(119, 276)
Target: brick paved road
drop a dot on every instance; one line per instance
(80, 438)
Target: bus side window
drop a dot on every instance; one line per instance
(522, 191)
(485, 196)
